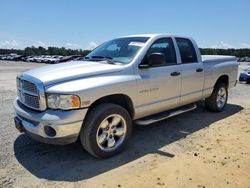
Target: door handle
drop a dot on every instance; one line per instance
(176, 73)
(199, 70)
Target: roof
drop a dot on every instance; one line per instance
(155, 35)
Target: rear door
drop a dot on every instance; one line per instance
(192, 72)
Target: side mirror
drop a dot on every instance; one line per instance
(156, 59)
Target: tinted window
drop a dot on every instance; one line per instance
(187, 50)
(166, 47)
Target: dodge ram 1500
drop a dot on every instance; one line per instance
(138, 79)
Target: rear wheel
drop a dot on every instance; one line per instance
(217, 101)
(106, 130)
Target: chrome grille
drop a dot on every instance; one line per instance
(28, 86)
(28, 93)
(29, 100)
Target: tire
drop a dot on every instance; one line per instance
(211, 102)
(99, 123)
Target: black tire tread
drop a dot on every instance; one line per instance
(211, 101)
(95, 112)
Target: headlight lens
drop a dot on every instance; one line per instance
(63, 102)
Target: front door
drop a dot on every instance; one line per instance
(159, 86)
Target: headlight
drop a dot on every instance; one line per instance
(63, 102)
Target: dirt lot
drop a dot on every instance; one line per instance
(196, 149)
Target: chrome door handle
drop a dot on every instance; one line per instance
(199, 70)
(176, 73)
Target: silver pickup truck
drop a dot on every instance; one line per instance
(138, 79)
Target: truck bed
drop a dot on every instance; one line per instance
(216, 58)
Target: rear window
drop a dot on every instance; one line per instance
(187, 51)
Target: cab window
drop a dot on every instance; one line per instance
(187, 51)
(166, 47)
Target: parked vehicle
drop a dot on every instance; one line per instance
(45, 58)
(82, 58)
(31, 59)
(244, 59)
(2, 56)
(141, 79)
(245, 76)
(19, 58)
(10, 56)
(53, 59)
(68, 58)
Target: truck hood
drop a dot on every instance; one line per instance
(54, 74)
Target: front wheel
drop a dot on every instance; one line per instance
(217, 101)
(106, 130)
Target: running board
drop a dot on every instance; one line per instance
(164, 115)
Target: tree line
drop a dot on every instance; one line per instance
(243, 52)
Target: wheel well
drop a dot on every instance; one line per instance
(223, 79)
(119, 99)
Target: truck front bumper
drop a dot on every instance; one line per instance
(50, 126)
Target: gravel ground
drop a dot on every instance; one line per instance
(195, 149)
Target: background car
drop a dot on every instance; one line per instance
(69, 58)
(245, 76)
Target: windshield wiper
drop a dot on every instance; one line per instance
(102, 58)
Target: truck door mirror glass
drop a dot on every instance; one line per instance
(153, 60)
(156, 59)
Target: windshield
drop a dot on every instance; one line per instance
(122, 50)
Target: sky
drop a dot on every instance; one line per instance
(85, 24)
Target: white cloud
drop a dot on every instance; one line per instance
(9, 44)
(214, 46)
(91, 46)
(245, 45)
(72, 45)
(39, 43)
(223, 45)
